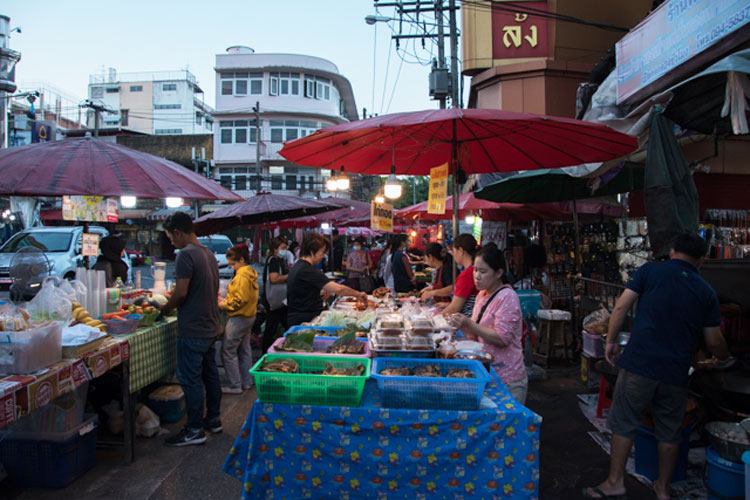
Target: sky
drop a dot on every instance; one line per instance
(63, 42)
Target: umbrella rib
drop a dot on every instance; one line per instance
(60, 170)
(115, 167)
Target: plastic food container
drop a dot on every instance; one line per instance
(119, 327)
(31, 350)
(387, 343)
(402, 347)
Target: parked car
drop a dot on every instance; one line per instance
(135, 256)
(219, 244)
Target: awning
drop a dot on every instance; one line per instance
(162, 213)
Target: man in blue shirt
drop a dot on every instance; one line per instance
(675, 308)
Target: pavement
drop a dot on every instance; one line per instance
(570, 459)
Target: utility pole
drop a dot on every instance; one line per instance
(441, 44)
(98, 109)
(256, 110)
(455, 91)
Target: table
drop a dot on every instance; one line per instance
(153, 352)
(295, 451)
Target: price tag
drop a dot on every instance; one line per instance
(90, 245)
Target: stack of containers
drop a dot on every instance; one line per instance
(395, 337)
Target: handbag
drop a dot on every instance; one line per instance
(275, 294)
(366, 284)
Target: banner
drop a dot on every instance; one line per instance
(89, 208)
(381, 217)
(438, 189)
(90, 245)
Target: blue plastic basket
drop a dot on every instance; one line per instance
(299, 328)
(530, 302)
(441, 393)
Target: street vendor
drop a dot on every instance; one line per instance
(676, 307)
(465, 248)
(441, 261)
(400, 266)
(496, 320)
(307, 286)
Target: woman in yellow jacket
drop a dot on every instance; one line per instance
(241, 305)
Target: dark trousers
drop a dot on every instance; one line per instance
(196, 369)
(271, 333)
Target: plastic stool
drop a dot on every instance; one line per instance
(604, 401)
(554, 335)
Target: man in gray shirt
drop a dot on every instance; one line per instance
(195, 296)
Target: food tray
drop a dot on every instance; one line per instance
(306, 389)
(430, 392)
(76, 351)
(321, 344)
(402, 353)
(299, 328)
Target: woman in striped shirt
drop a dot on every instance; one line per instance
(465, 249)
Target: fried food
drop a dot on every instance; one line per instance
(280, 366)
(353, 371)
(396, 371)
(427, 371)
(460, 373)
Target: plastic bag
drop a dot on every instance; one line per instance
(147, 422)
(597, 322)
(52, 303)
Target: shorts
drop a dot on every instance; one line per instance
(634, 393)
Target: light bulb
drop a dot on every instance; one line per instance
(127, 201)
(470, 219)
(174, 202)
(392, 188)
(331, 184)
(379, 198)
(342, 183)
(325, 226)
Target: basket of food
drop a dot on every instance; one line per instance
(310, 380)
(430, 383)
(123, 325)
(308, 343)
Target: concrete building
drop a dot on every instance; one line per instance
(292, 96)
(53, 108)
(157, 103)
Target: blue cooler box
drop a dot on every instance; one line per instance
(168, 401)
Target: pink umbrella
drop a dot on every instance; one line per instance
(468, 204)
(351, 209)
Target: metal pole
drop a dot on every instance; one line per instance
(96, 122)
(577, 235)
(454, 53)
(441, 43)
(454, 171)
(256, 109)
(3, 121)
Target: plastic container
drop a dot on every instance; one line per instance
(119, 327)
(430, 392)
(168, 401)
(305, 388)
(399, 346)
(724, 479)
(62, 414)
(31, 350)
(149, 317)
(320, 344)
(593, 345)
(647, 458)
(49, 460)
(530, 302)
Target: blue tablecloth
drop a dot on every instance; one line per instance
(320, 452)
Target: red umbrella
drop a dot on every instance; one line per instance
(468, 204)
(260, 209)
(92, 167)
(350, 209)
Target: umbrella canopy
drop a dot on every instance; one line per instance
(260, 209)
(349, 209)
(92, 167)
(481, 140)
(468, 204)
(539, 186)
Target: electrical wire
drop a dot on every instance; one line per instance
(385, 80)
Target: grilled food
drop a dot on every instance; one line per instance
(427, 371)
(280, 366)
(396, 371)
(353, 371)
(460, 373)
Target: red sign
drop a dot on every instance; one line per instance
(517, 34)
(7, 410)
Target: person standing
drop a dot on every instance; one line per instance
(275, 275)
(358, 266)
(195, 298)
(464, 250)
(337, 253)
(403, 277)
(676, 308)
(241, 306)
(308, 286)
(437, 258)
(110, 261)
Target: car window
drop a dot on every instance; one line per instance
(45, 241)
(219, 246)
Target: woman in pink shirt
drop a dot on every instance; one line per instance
(496, 321)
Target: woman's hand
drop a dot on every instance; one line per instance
(426, 294)
(458, 321)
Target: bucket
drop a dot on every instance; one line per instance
(647, 457)
(724, 479)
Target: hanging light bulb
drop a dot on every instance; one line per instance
(127, 201)
(470, 219)
(392, 188)
(331, 184)
(342, 182)
(379, 198)
(174, 202)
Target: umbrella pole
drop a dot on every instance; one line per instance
(454, 170)
(577, 235)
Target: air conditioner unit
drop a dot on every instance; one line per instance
(440, 83)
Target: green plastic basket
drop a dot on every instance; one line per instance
(308, 389)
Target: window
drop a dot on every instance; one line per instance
(226, 136)
(277, 182)
(273, 84)
(291, 134)
(240, 182)
(237, 131)
(253, 132)
(256, 83)
(277, 134)
(291, 182)
(113, 91)
(240, 136)
(284, 83)
(198, 118)
(240, 87)
(226, 87)
(309, 86)
(167, 131)
(97, 92)
(310, 182)
(254, 183)
(169, 86)
(167, 106)
(136, 88)
(124, 117)
(226, 181)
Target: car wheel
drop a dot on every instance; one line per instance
(70, 276)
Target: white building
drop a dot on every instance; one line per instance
(158, 103)
(295, 96)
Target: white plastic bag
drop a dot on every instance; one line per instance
(147, 422)
(51, 303)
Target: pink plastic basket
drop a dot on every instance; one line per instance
(320, 344)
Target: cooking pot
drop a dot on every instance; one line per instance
(728, 439)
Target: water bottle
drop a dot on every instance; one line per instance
(120, 287)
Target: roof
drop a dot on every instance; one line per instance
(163, 213)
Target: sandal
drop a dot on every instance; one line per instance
(601, 495)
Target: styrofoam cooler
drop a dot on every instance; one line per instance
(593, 345)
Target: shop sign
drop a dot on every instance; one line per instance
(89, 208)
(673, 34)
(381, 217)
(90, 245)
(438, 189)
(494, 232)
(518, 34)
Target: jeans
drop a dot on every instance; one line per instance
(237, 345)
(273, 318)
(196, 369)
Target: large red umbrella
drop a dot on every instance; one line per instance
(350, 209)
(260, 209)
(468, 204)
(89, 166)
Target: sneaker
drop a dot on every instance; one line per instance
(231, 390)
(186, 437)
(247, 387)
(213, 425)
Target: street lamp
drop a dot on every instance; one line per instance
(372, 19)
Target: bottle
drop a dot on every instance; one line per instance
(119, 283)
(119, 288)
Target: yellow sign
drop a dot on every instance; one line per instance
(438, 189)
(381, 217)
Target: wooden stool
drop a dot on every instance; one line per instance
(554, 336)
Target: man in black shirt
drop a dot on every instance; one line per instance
(338, 251)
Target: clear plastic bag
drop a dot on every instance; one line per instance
(52, 302)
(597, 322)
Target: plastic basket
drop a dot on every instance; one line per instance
(299, 328)
(593, 345)
(306, 388)
(320, 344)
(49, 460)
(120, 327)
(530, 302)
(430, 392)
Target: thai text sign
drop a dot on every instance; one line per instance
(381, 216)
(670, 36)
(517, 34)
(438, 189)
(89, 208)
(90, 245)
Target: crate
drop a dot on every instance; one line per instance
(123, 327)
(307, 389)
(430, 392)
(320, 344)
(76, 351)
(593, 345)
(49, 460)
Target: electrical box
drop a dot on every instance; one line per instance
(440, 83)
